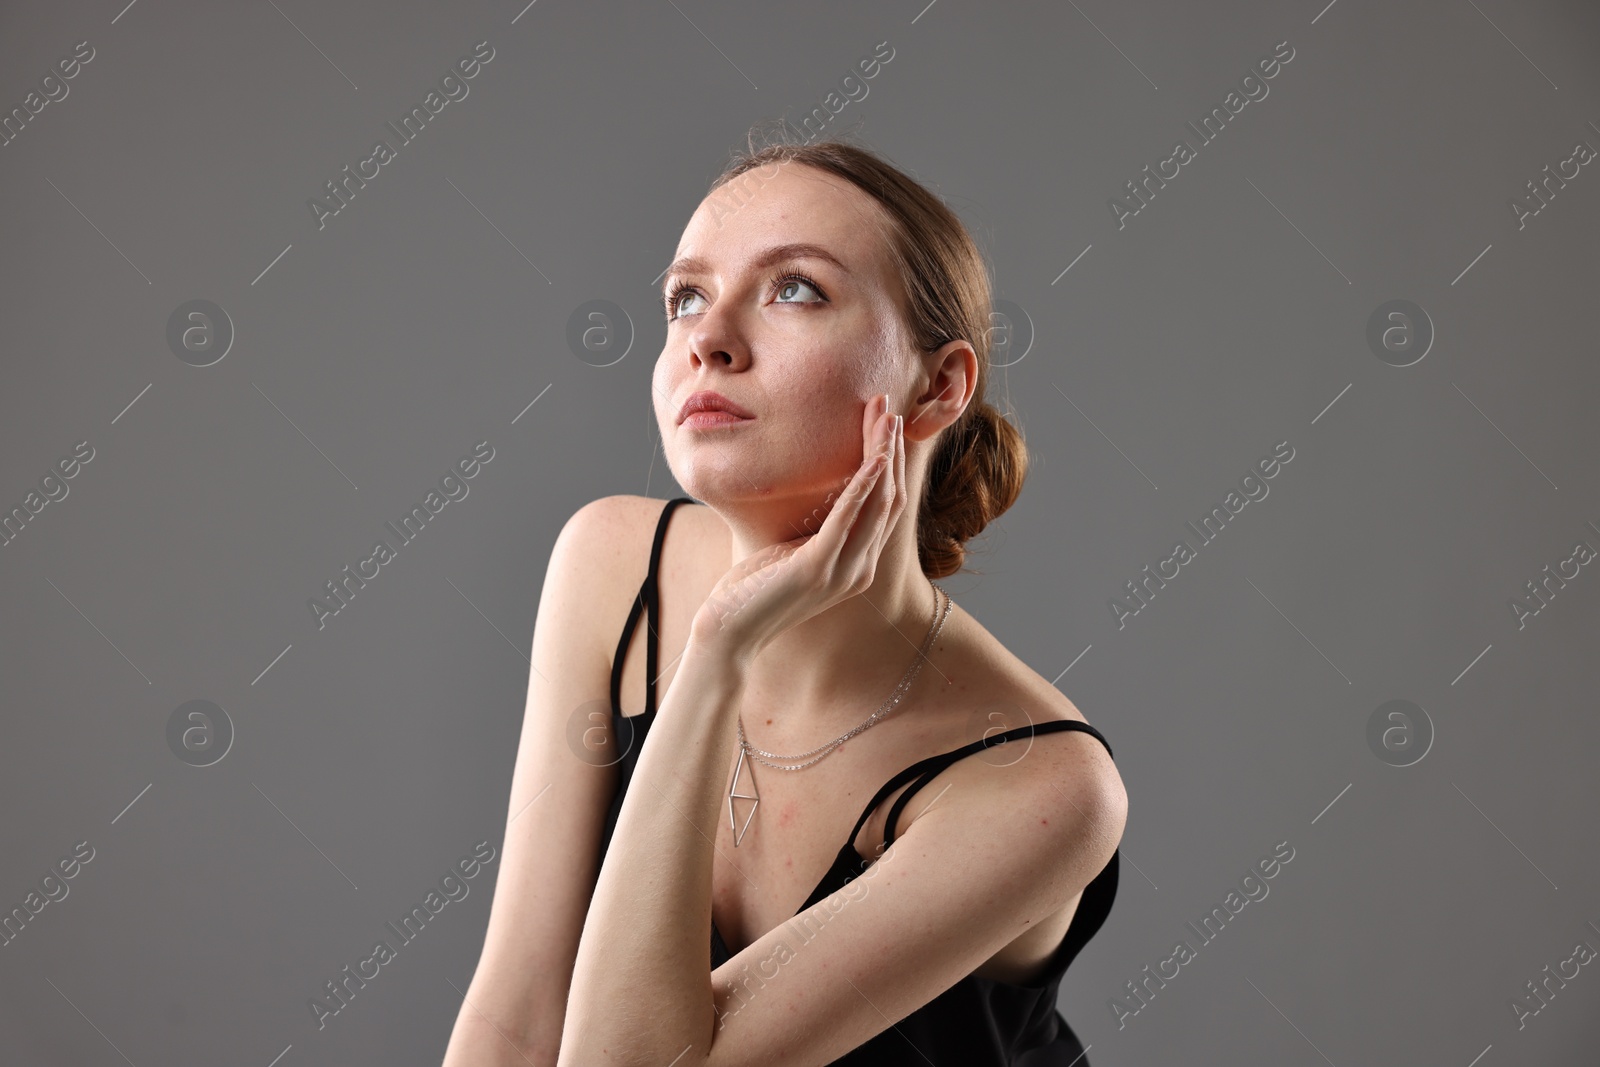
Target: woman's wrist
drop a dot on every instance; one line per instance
(717, 649)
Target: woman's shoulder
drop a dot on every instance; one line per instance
(608, 540)
(999, 672)
(614, 527)
(1014, 695)
(601, 554)
(622, 515)
(617, 516)
(992, 692)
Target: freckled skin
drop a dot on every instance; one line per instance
(805, 366)
(789, 813)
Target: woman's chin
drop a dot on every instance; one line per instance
(719, 484)
(731, 492)
(735, 477)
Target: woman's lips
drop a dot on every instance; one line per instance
(701, 420)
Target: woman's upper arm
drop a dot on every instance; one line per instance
(562, 784)
(1006, 847)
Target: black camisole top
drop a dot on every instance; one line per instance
(978, 1022)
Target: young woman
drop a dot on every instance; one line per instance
(820, 395)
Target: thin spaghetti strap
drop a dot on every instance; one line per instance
(927, 768)
(622, 651)
(648, 595)
(1010, 736)
(650, 592)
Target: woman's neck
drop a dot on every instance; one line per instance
(823, 676)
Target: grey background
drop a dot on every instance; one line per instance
(1228, 316)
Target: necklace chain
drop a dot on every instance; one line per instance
(942, 601)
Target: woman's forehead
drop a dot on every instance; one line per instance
(796, 204)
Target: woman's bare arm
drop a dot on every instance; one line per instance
(516, 1002)
(1013, 846)
(1006, 848)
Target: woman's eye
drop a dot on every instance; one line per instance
(677, 301)
(789, 286)
(787, 289)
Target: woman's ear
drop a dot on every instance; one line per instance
(952, 377)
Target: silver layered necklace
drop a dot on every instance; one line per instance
(941, 609)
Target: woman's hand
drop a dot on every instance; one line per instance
(763, 595)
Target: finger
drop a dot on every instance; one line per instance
(865, 543)
(899, 495)
(843, 547)
(900, 482)
(862, 531)
(836, 527)
(871, 417)
(881, 517)
(895, 505)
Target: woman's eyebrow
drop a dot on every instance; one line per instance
(775, 254)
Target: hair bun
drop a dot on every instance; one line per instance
(975, 477)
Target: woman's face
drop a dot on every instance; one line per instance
(798, 341)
